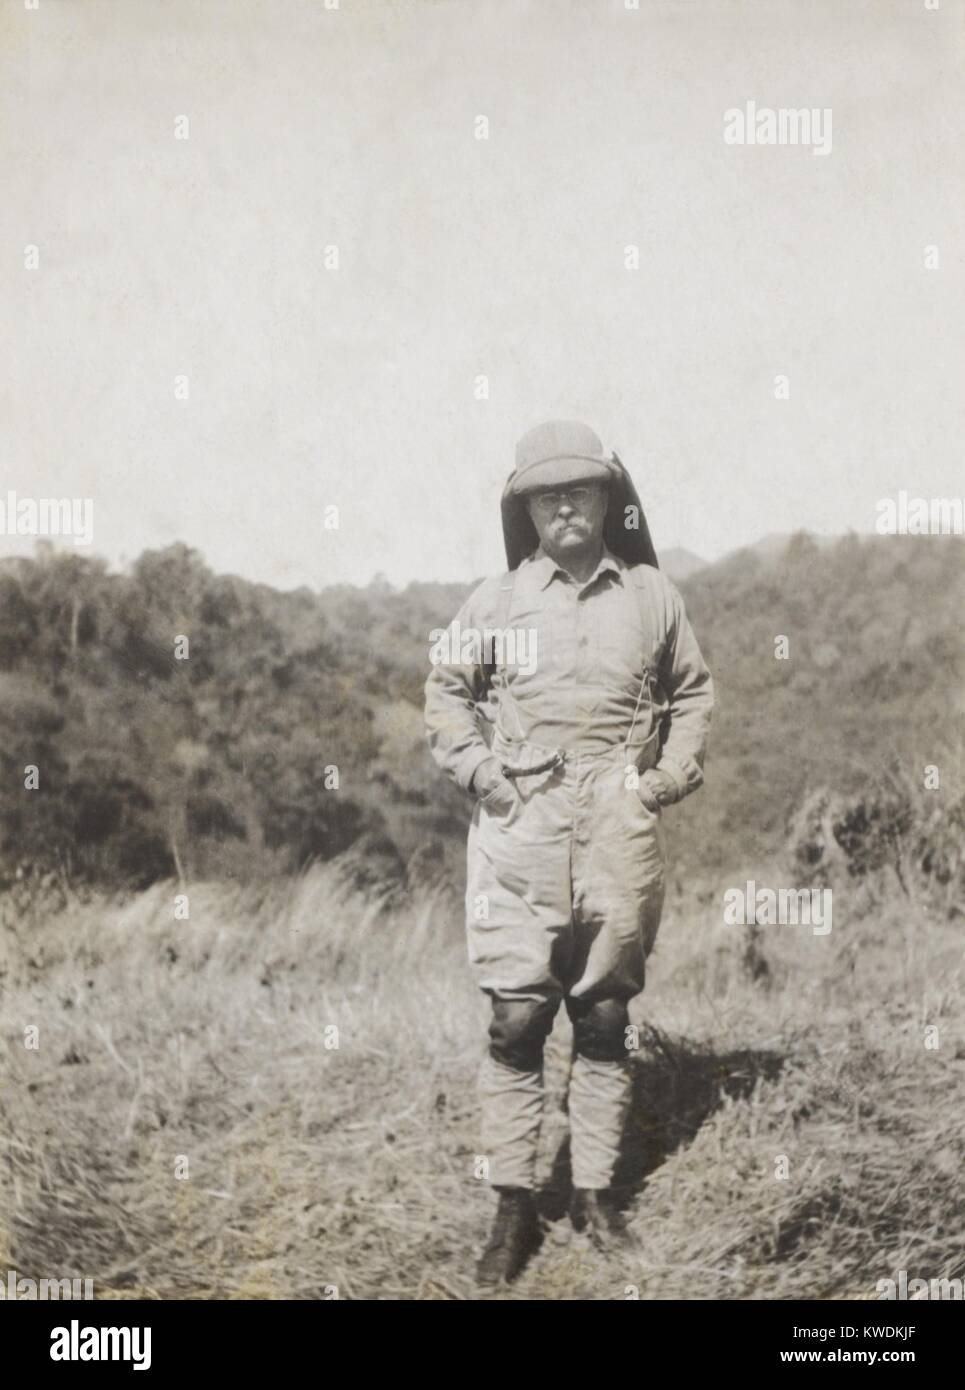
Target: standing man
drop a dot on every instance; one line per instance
(573, 702)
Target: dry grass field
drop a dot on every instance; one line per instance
(313, 1167)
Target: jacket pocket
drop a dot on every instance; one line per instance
(498, 803)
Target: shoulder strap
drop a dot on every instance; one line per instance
(505, 601)
(503, 607)
(656, 614)
(643, 586)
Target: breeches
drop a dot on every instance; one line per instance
(564, 895)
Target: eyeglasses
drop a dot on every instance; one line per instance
(555, 497)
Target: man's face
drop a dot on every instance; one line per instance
(568, 518)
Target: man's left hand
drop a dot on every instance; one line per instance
(655, 789)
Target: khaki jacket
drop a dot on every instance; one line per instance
(578, 667)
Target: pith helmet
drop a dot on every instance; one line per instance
(556, 453)
(561, 452)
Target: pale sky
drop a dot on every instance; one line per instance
(311, 127)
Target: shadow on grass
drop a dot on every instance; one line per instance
(676, 1086)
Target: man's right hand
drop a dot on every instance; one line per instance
(487, 777)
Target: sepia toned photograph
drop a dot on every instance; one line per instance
(482, 774)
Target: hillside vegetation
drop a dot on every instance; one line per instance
(222, 763)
